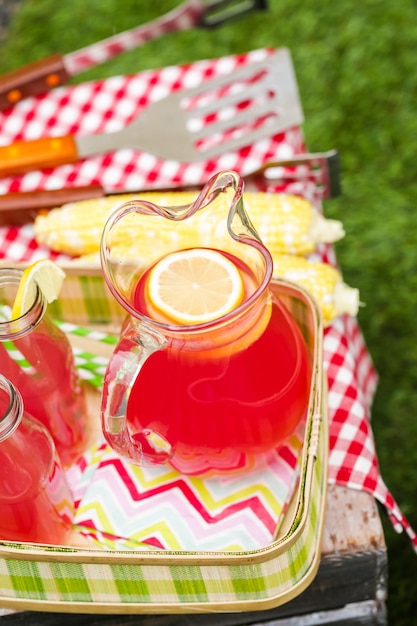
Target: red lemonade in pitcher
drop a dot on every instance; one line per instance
(242, 385)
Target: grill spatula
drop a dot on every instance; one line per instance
(222, 115)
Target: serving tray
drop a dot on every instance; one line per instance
(85, 578)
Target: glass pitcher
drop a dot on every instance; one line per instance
(36, 356)
(35, 501)
(200, 393)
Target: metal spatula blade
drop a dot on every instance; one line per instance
(222, 115)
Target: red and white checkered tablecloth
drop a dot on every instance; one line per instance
(107, 105)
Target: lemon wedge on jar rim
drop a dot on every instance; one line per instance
(45, 274)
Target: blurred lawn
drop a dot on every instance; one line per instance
(356, 68)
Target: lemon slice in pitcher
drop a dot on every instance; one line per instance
(195, 286)
(45, 274)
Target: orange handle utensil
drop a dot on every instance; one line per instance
(23, 156)
(32, 79)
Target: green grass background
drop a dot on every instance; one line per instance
(356, 64)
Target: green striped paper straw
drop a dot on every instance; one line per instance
(91, 367)
(18, 357)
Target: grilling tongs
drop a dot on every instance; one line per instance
(55, 70)
(322, 168)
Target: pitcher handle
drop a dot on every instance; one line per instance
(134, 348)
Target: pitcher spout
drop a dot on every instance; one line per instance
(140, 233)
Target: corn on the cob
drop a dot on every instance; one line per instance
(323, 281)
(285, 223)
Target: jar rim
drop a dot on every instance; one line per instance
(13, 414)
(13, 329)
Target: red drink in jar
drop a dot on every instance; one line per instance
(35, 502)
(37, 357)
